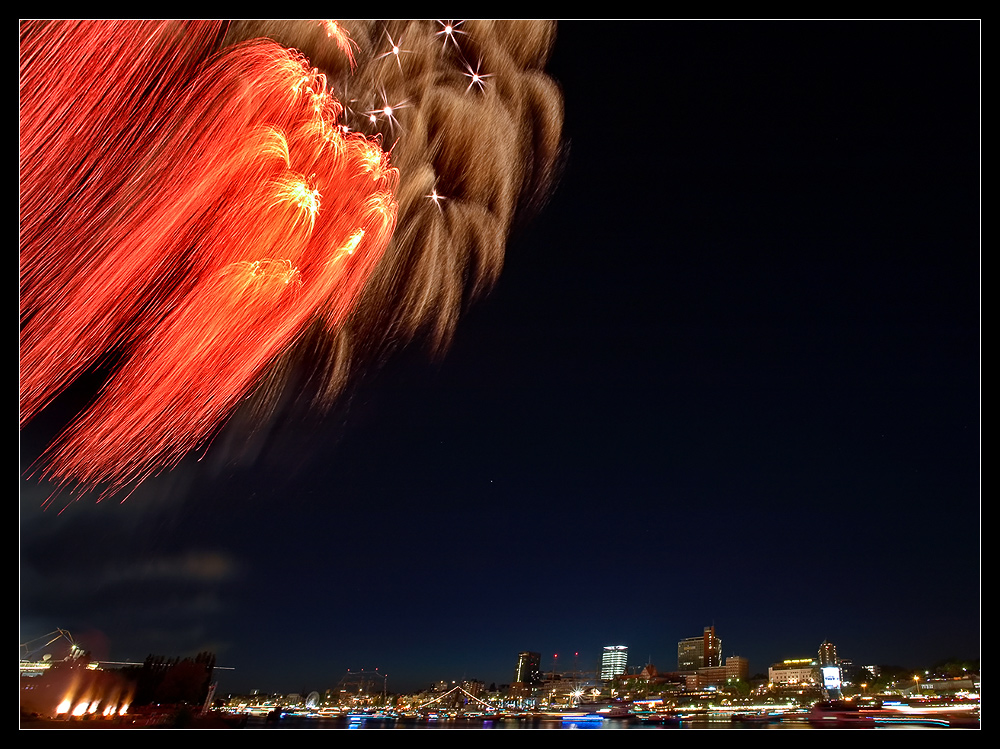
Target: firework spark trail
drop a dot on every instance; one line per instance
(87, 117)
(152, 261)
(189, 201)
(230, 329)
(248, 216)
(120, 243)
(473, 160)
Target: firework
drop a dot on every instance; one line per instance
(201, 208)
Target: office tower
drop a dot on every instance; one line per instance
(827, 655)
(699, 652)
(829, 667)
(737, 668)
(712, 647)
(529, 670)
(690, 654)
(613, 661)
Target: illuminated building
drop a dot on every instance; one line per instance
(794, 672)
(699, 652)
(874, 671)
(529, 671)
(737, 668)
(829, 667)
(827, 655)
(527, 678)
(613, 661)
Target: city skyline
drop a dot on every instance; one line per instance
(729, 375)
(532, 668)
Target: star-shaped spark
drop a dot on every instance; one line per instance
(448, 31)
(475, 77)
(436, 198)
(394, 49)
(388, 112)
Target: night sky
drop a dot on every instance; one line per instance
(730, 375)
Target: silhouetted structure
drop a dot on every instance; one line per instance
(172, 680)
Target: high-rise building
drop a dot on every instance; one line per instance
(827, 655)
(690, 654)
(529, 669)
(699, 652)
(829, 667)
(613, 661)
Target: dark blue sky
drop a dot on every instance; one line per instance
(730, 375)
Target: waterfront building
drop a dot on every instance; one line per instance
(613, 661)
(829, 667)
(699, 652)
(736, 668)
(794, 672)
(529, 669)
(649, 681)
(827, 655)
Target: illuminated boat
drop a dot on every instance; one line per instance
(606, 709)
(841, 713)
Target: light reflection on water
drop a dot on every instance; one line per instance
(507, 723)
